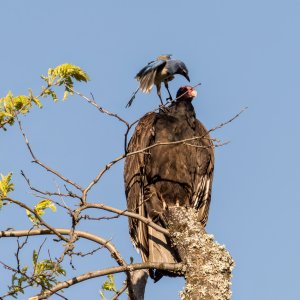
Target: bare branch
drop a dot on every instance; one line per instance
(176, 267)
(229, 121)
(63, 231)
(126, 213)
(186, 140)
(100, 174)
(120, 292)
(42, 222)
(101, 109)
(87, 253)
(37, 161)
(46, 193)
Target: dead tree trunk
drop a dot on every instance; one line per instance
(208, 264)
(138, 282)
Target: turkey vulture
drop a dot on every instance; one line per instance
(163, 176)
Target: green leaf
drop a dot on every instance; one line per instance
(39, 209)
(102, 295)
(42, 267)
(34, 99)
(66, 94)
(109, 284)
(34, 257)
(17, 281)
(64, 75)
(49, 92)
(24, 269)
(42, 205)
(10, 106)
(6, 185)
(46, 271)
(68, 71)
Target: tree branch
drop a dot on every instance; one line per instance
(115, 254)
(63, 231)
(42, 222)
(89, 275)
(37, 161)
(101, 109)
(126, 213)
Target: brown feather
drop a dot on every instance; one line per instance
(134, 181)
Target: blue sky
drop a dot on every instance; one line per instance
(245, 53)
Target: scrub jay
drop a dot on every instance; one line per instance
(163, 69)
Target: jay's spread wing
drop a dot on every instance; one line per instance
(146, 76)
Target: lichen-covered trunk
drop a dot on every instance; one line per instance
(208, 265)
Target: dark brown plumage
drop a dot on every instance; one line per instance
(178, 174)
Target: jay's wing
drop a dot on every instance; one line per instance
(152, 65)
(146, 76)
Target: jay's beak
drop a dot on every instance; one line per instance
(187, 77)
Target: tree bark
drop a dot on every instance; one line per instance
(138, 282)
(208, 264)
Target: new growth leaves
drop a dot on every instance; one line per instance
(108, 285)
(39, 210)
(10, 106)
(62, 75)
(44, 273)
(6, 186)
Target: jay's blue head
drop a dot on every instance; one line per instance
(177, 67)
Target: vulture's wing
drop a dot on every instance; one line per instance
(204, 175)
(134, 177)
(179, 174)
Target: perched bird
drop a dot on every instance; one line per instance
(163, 176)
(163, 69)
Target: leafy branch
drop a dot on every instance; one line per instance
(62, 75)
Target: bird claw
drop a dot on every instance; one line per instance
(163, 108)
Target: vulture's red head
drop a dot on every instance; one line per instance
(186, 93)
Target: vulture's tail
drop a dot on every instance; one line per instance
(160, 251)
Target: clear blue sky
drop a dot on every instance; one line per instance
(245, 53)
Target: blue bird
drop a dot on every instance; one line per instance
(163, 69)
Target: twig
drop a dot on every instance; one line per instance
(119, 292)
(42, 222)
(87, 253)
(46, 193)
(101, 109)
(37, 161)
(30, 279)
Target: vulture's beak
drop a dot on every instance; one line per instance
(194, 93)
